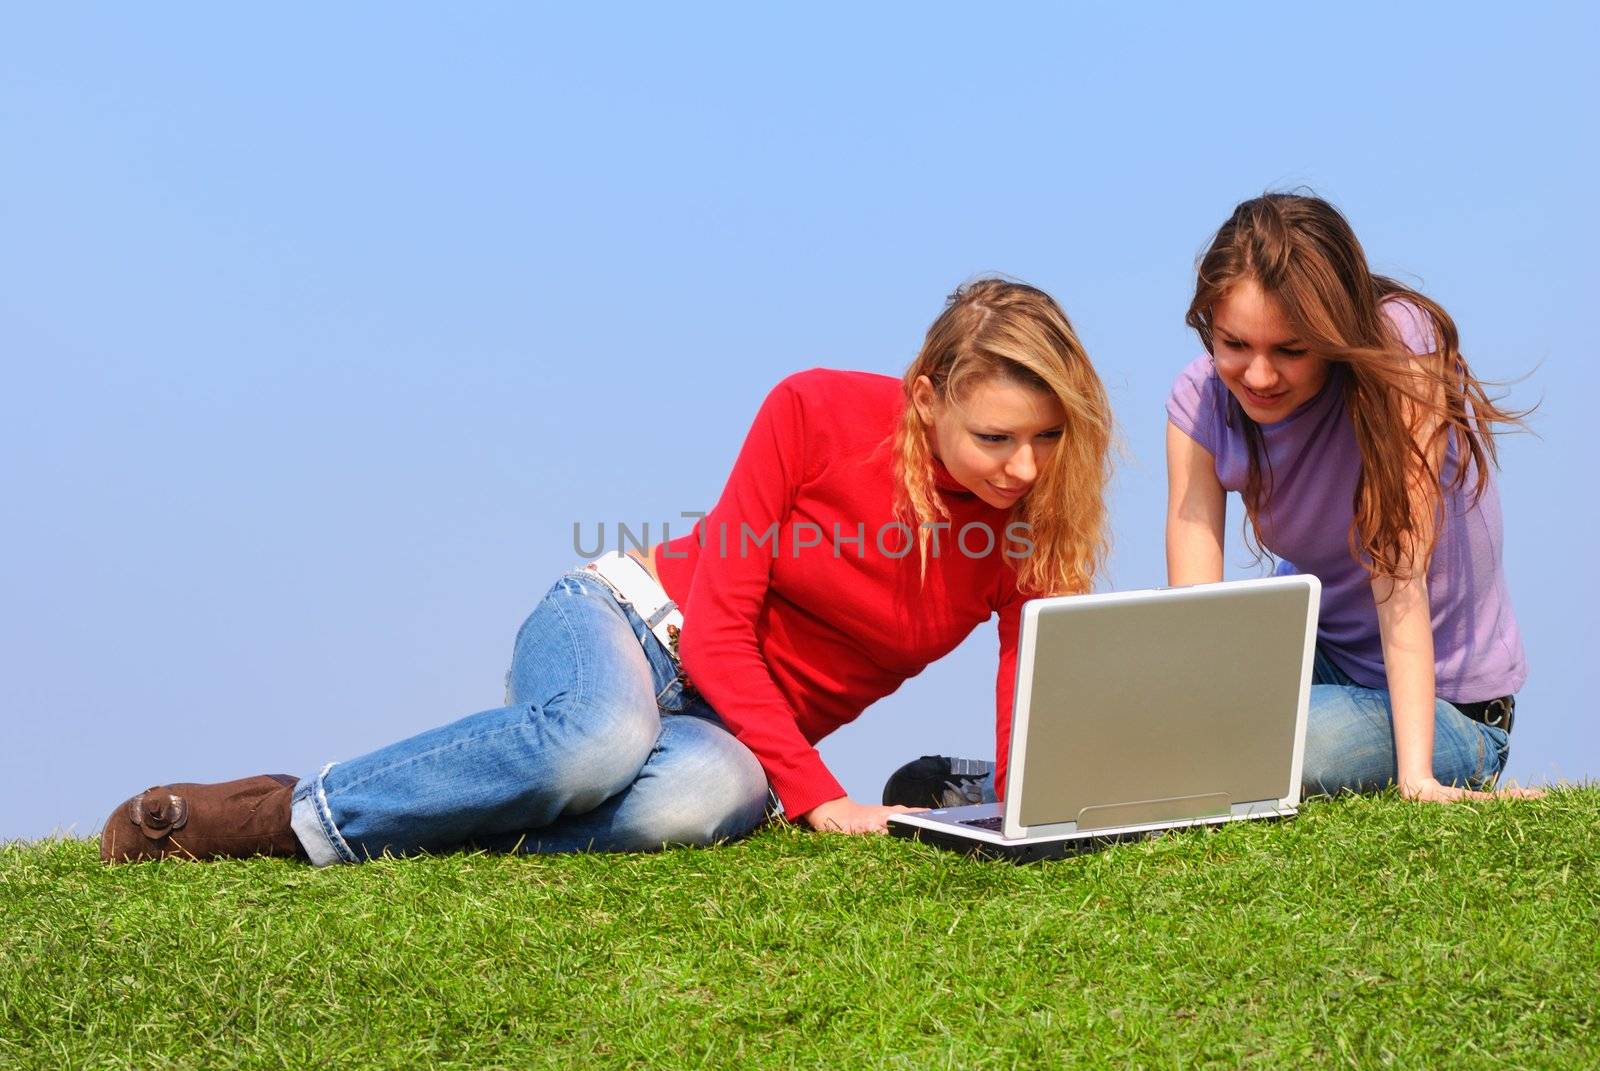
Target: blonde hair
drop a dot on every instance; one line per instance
(998, 329)
(1302, 251)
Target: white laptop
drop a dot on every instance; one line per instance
(1146, 710)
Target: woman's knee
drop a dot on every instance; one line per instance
(1349, 741)
(578, 647)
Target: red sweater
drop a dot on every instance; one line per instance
(791, 636)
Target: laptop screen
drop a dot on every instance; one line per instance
(1186, 694)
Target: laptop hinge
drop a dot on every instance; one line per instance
(1171, 809)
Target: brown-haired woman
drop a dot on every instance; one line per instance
(868, 525)
(1338, 405)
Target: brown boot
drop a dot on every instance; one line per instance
(231, 819)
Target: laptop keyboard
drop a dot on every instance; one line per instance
(995, 822)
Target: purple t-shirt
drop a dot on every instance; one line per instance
(1314, 462)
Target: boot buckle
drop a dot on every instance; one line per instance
(158, 813)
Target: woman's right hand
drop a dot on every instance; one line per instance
(845, 815)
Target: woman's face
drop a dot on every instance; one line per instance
(994, 441)
(1260, 357)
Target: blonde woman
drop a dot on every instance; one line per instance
(1338, 405)
(868, 525)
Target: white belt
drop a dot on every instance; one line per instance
(633, 583)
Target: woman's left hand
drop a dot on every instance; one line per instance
(845, 815)
(1429, 790)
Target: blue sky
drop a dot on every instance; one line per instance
(322, 327)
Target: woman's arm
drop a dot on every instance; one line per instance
(720, 644)
(1406, 628)
(1196, 508)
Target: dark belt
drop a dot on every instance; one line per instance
(1495, 713)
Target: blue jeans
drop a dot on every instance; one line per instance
(596, 749)
(1350, 739)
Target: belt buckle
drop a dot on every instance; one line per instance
(1497, 714)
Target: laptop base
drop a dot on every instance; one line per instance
(984, 845)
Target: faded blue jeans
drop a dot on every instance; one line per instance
(1350, 739)
(596, 749)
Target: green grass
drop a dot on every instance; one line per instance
(1368, 932)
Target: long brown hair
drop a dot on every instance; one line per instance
(1406, 407)
(995, 328)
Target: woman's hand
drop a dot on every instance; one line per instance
(845, 815)
(1429, 790)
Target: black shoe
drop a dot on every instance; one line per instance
(937, 781)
